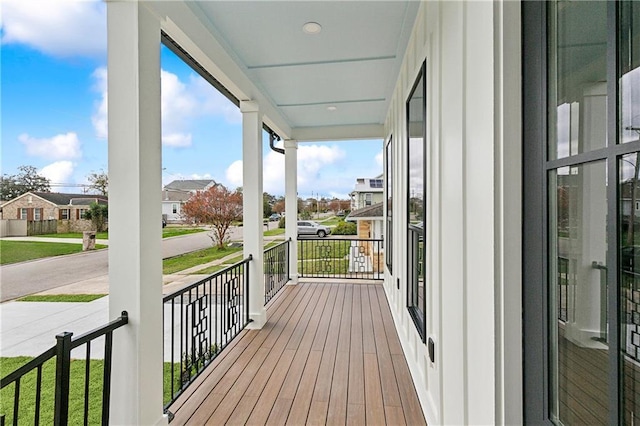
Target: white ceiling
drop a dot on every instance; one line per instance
(352, 64)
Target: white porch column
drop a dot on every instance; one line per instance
(135, 237)
(253, 208)
(291, 204)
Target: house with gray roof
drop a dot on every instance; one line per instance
(178, 192)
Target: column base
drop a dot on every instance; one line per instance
(293, 279)
(259, 319)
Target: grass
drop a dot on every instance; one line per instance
(318, 267)
(76, 396)
(188, 260)
(79, 298)
(272, 232)
(20, 251)
(313, 249)
(166, 233)
(332, 221)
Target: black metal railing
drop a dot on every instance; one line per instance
(200, 320)
(40, 397)
(341, 258)
(276, 269)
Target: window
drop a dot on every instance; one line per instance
(37, 214)
(367, 199)
(23, 213)
(375, 183)
(65, 214)
(416, 139)
(581, 234)
(174, 208)
(80, 213)
(388, 247)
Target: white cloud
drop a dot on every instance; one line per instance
(234, 174)
(379, 159)
(213, 102)
(312, 159)
(181, 103)
(99, 118)
(58, 172)
(177, 140)
(63, 146)
(60, 28)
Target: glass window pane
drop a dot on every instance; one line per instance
(578, 300)
(577, 77)
(629, 71)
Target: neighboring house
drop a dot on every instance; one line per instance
(176, 193)
(172, 202)
(368, 191)
(67, 209)
(370, 222)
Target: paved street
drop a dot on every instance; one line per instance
(25, 278)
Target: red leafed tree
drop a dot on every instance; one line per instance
(217, 206)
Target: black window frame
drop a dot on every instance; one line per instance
(416, 259)
(388, 249)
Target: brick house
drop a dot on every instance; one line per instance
(67, 209)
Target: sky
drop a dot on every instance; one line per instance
(53, 111)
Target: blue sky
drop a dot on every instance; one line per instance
(53, 111)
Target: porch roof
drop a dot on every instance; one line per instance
(336, 84)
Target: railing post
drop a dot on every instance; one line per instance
(246, 288)
(63, 370)
(288, 259)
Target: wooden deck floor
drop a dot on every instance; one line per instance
(329, 354)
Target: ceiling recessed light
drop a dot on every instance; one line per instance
(331, 108)
(312, 28)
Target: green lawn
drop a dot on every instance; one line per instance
(76, 397)
(77, 298)
(272, 232)
(20, 251)
(332, 221)
(319, 267)
(188, 260)
(166, 233)
(314, 249)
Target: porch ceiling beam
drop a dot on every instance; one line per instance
(332, 133)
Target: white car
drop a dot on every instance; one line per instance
(309, 227)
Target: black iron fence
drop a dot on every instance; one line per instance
(200, 320)
(32, 404)
(276, 269)
(341, 258)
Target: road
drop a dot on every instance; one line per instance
(25, 278)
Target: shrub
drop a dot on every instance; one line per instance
(281, 224)
(345, 228)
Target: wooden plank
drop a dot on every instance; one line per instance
(265, 403)
(356, 414)
(410, 405)
(373, 391)
(318, 413)
(345, 324)
(323, 328)
(356, 360)
(322, 390)
(368, 341)
(302, 400)
(394, 415)
(337, 413)
(390, 391)
(395, 348)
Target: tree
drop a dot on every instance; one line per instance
(98, 214)
(99, 181)
(278, 206)
(216, 206)
(28, 180)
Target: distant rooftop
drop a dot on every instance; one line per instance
(62, 199)
(372, 211)
(190, 184)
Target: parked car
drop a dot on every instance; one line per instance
(309, 227)
(274, 217)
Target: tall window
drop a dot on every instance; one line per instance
(174, 208)
(416, 154)
(388, 248)
(367, 199)
(24, 213)
(37, 214)
(582, 238)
